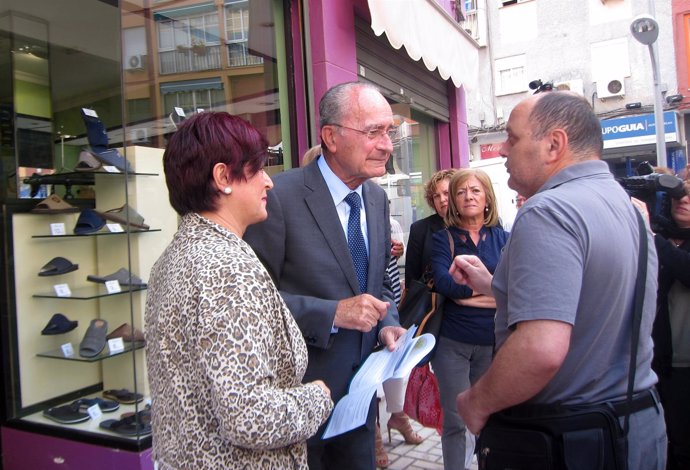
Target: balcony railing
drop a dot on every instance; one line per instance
(239, 56)
(471, 24)
(190, 59)
(197, 58)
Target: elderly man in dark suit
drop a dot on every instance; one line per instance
(328, 255)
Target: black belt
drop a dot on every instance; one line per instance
(640, 401)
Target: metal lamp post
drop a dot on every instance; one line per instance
(645, 30)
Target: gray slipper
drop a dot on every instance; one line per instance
(124, 215)
(94, 339)
(124, 277)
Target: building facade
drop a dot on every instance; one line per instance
(126, 74)
(586, 47)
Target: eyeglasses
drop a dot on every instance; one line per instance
(374, 133)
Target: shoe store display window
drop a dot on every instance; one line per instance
(85, 215)
(90, 91)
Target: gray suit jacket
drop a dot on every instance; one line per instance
(303, 247)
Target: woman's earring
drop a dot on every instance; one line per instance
(227, 190)
(486, 209)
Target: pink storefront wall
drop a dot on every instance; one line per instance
(334, 60)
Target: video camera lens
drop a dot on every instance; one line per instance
(645, 168)
(672, 185)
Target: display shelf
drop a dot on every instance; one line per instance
(96, 234)
(114, 173)
(41, 375)
(106, 354)
(88, 293)
(92, 426)
(84, 178)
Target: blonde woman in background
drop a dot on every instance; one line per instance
(466, 338)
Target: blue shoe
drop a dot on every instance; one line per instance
(58, 265)
(66, 414)
(59, 324)
(89, 222)
(106, 406)
(112, 157)
(98, 141)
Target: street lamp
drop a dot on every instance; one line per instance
(645, 30)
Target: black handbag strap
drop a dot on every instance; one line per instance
(640, 285)
(427, 276)
(451, 242)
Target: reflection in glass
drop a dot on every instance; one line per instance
(411, 164)
(207, 57)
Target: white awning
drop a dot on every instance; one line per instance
(429, 33)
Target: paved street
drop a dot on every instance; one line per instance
(426, 455)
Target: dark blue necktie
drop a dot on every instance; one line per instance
(355, 241)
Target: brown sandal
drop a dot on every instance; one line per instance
(401, 423)
(381, 455)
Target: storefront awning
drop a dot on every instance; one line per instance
(192, 85)
(429, 33)
(184, 12)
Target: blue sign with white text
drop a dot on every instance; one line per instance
(677, 160)
(637, 130)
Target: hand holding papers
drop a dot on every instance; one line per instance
(351, 411)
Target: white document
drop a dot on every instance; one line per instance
(351, 410)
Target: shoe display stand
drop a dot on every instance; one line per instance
(43, 376)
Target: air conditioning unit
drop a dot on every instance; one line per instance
(135, 62)
(575, 85)
(610, 87)
(140, 136)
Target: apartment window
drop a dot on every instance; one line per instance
(194, 95)
(188, 39)
(237, 34)
(510, 75)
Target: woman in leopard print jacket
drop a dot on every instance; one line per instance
(225, 357)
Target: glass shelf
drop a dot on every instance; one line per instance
(95, 234)
(88, 293)
(121, 173)
(85, 178)
(105, 354)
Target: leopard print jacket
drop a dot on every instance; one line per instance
(225, 359)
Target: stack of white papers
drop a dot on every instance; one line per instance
(351, 410)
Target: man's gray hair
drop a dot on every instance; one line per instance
(335, 102)
(572, 113)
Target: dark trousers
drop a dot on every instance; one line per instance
(353, 450)
(674, 389)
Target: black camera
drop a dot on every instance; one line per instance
(655, 189)
(538, 86)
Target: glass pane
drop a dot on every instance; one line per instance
(412, 163)
(165, 35)
(197, 30)
(234, 24)
(182, 38)
(512, 79)
(212, 31)
(120, 75)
